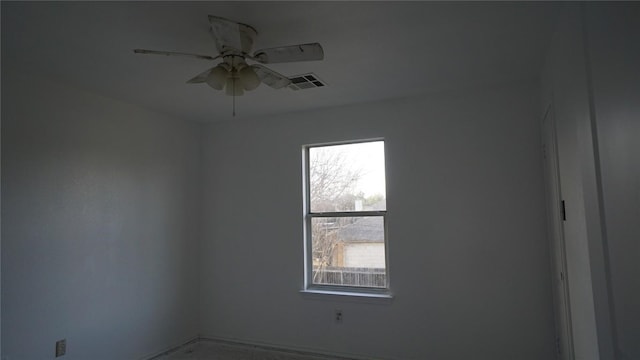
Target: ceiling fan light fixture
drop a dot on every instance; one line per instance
(217, 77)
(233, 86)
(248, 78)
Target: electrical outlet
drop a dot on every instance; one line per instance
(338, 316)
(61, 347)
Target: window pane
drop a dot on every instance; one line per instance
(347, 177)
(348, 251)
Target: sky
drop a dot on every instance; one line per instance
(369, 157)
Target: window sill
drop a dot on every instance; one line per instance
(320, 294)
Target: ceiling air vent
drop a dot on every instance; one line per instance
(306, 81)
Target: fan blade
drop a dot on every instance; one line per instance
(270, 77)
(200, 78)
(231, 35)
(173, 53)
(301, 52)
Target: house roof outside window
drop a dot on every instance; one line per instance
(368, 229)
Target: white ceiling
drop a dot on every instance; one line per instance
(373, 50)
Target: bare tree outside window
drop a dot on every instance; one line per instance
(347, 207)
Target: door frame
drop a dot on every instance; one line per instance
(555, 230)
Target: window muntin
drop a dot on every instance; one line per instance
(345, 217)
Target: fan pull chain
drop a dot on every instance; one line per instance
(234, 97)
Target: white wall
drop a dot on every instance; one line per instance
(468, 254)
(100, 214)
(614, 54)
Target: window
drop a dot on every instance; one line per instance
(345, 213)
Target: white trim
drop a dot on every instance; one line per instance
(555, 232)
(171, 349)
(348, 213)
(260, 345)
(308, 215)
(344, 142)
(348, 295)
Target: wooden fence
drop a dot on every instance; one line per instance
(360, 277)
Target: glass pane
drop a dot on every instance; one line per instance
(347, 177)
(349, 251)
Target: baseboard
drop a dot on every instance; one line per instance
(172, 349)
(286, 348)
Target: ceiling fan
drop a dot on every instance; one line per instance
(234, 42)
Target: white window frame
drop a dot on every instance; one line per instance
(309, 286)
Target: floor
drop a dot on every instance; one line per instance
(211, 350)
